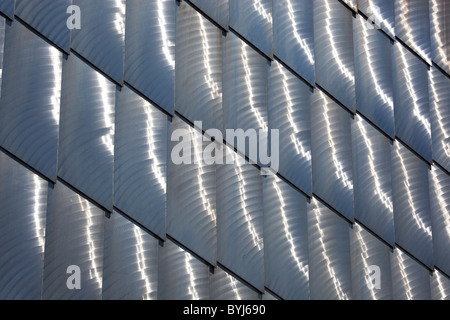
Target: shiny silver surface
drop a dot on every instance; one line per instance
(331, 154)
(381, 13)
(2, 46)
(293, 36)
(130, 263)
(285, 239)
(372, 179)
(74, 226)
(181, 276)
(48, 17)
(218, 10)
(411, 204)
(412, 115)
(373, 75)
(253, 20)
(86, 140)
(101, 38)
(191, 197)
(140, 161)
(240, 220)
(440, 286)
(30, 102)
(150, 50)
(352, 4)
(7, 7)
(198, 76)
(440, 216)
(440, 33)
(289, 105)
(226, 287)
(333, 47)
(23, 206)
(329, 254)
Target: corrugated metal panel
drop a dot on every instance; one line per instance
(353, 4)
(440, 286)
(372, 176)
(30, 104)
(293, 36)
(23, 204)
(332, 153)
(198, 78)
(289, 108)
(329, 254)
(74, 236)
(411, 204)
(140, 161)
(333, 46)
(285, 239)
(373, 74)
(130, 264)
(86, 146)
(381, 13)
(226, 287)
(412, 115)
(7, 7)
(440, 33)
(217, 10)
(150, 50)
(2, 46)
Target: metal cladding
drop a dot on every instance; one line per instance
(128, 131)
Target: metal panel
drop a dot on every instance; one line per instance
(240, 220)
(130, 264)
(410, 279)
(331, 143)
(372, 178)
(101, 38)
(217, 10)
(198, 76)
(7, 7)
(23, 205)
(48, 17)
(30, 104)
(381, 13)
(253, 21)
(440, 33)
(86, 145)
(368, 252)
(412, 25)
(226, 287)
(439, 86)
(411, 204)
(2, 46)
(74, 237)
(333, 47)
(440, 216)
(293, 36)
(289, 108)
(191, 195)
(352, 4)
(329, 254)
(285, 239)
(412, 115)
(181, 276)
(373, 74)
(150, 49)
(440, 286)
(140, 160)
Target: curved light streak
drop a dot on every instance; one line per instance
(56, 73)
(440, 286)
(141, 264)
(190, 271)
(234, 287)
(404, 275)
(376, 16)
(108, 113)
(257, 4)
(442, 201)
(167, 44)
(440, 45)
(119, 18)
(38, 226)
(439, 116)
(364, 257)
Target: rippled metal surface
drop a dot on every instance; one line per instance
(412, 115)
(7, 7)
(101, 38)
(2, 46)
(372, 178)
(75, 227)
(440, 216)
(411, 204)
(23, 205)
(440, 286)
(86, 140)
(253, 21)
(240, 220)
(293, 36)
(329, 254)
(30, 102)
(440, 33)
(333, 47)
(150, 50)
(226, 287)
(181, 276)
(285, 240)
(130, 265)
(439, 85)
(410, 279)
(352, 4)
(373, 74)
(218, 10)
(332, 153)
(198, 76)
(381, 13)
(191, 195)
(289, 108)
(48, 17)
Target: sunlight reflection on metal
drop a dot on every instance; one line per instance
(297, 36)
(262, 11)
(56, 73)
(441, 199)
(364, 257)
(401, 257)
(108, 111)
(39, 228)
(141, 264)
(190, 271)
(167, 44)
(119, 18)
(233, 283)
(439, 116)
